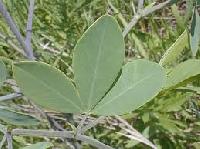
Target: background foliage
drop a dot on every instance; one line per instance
(170, 120)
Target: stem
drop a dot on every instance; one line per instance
(14, 29)
(134, 134)
(29, 24)
(92, 124)
(9, 140)
(143, 13)
(60, 134)
(81, 124)
(140, 4)
(10, 96)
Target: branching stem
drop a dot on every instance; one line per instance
(142, 13)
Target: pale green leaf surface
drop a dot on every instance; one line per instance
(3, 72)
(39, 145)
(47, 86)
(140, 81)
(98, 58)
(175, 49)
(182, 72)
(195, 32)
(15, 118)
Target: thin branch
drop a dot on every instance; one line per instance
(125, 123)
(81, 124)
(134, 134)
(140, 5)
(51, 50)
(10, 96)
(150, 10)
(146, 11)
(132, 137)
(60, 134)
(9, 140)
(14, 29)
(56, 126)
(92, 124)
(12, 83)
(52, 122)
(29, 23)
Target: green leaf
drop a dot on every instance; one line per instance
(198, 2)
(39, 145)
(179, 19)
(140, 81)
(3, 72)
(195, 32)
(47, 86)
(98, 58)
(188, 10)
(15, 118)
(168, 124)
(175, 50)
(172, 104)
(182, 72)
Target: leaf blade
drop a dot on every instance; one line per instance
(175, 49)
(39, 145)
(137, 76)
(47, 86)
(195, 32)
(15, 118)
(98, 58)
(182, 72)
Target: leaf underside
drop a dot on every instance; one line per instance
(97, 61)
(15, 118)
(47, 86)
(140, 81)
(98, 58)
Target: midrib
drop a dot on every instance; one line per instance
(96, 69)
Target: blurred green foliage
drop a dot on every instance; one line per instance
(172, 119)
